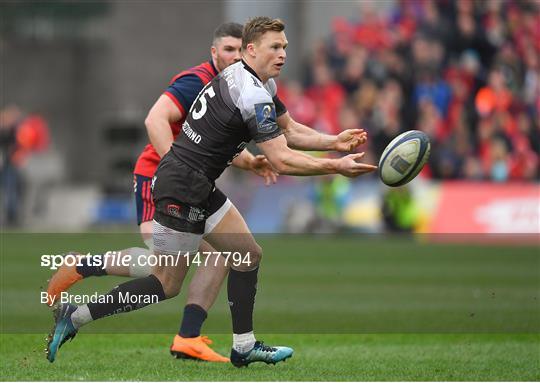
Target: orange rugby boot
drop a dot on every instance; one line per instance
(62, 280)
(195, 348)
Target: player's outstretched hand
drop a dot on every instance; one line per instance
(261, 167)
(350, 167)
(349, 139)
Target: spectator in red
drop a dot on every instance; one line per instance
(328, 97)
(340, 43)
(524, 23)
(524, 161)
(403, 21)
(372, 31)
(467, 72)
(495, 96)
(457, 109)
(301, 108)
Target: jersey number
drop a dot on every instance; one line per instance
(197, 114)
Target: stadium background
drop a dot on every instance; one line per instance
(465, 72)
(79, 78)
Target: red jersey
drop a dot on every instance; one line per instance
(182, 90)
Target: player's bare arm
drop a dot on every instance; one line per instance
(302, 137)
(158, 122)
(164, 112)
(291, 162)
(257, 164)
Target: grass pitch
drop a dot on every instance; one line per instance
(352, 308)
(407, 357)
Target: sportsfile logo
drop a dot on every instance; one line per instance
(119, 259)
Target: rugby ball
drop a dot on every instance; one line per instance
(404, 157)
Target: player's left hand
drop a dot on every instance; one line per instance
(349, 139)
(261, 167)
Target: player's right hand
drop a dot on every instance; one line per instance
(350, 167)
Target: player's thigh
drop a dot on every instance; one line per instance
(172, 250)
(171, 272)
(232, 235)
(212, 263)
(215, 263)
(145, 229)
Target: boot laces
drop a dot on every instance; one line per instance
(266, 348)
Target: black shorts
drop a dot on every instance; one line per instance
(184, 197)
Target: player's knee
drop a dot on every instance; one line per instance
(171, 287)
(256, 254)
(251, 259)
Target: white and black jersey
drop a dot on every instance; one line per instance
(230, 111)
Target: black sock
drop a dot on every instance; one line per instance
(241, 290)
(194, 316)
(89, 268)
(141, 290)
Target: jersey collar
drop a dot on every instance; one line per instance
(250, 70)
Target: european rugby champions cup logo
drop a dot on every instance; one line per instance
(265, 114)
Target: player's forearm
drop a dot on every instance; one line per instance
(243, 160)
(302, 137)
(300, 164)
(160, 134)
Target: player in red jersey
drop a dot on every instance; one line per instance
(163, 124)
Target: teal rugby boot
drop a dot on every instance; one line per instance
(261, 353)
(62, 331)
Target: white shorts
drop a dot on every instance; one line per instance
(170, 241)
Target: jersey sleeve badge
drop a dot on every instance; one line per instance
(265, 115)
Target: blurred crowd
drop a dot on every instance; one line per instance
(466, 72)
(21, 135)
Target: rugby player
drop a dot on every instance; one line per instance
(237, 106)
(163, 123)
